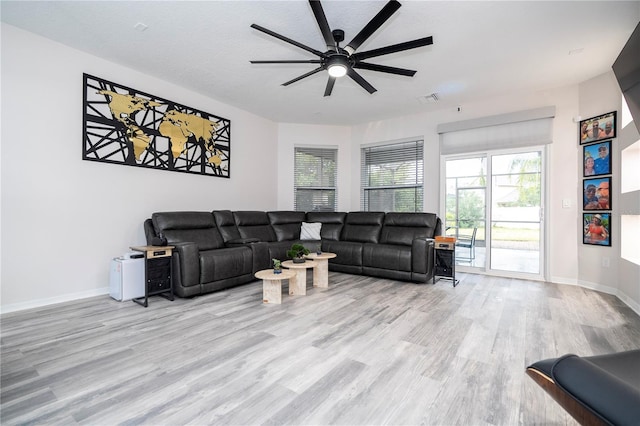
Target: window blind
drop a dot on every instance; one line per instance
(315, 178)
(513, 130)
(392, 177)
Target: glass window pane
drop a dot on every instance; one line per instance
(392, 177)
(475, 167)
(394, 200)
(515, 246)
(315, 177)
(515, 212)
(528, 162)
(315, 200)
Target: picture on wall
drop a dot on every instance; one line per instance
(596, 229)
(126, 126)
(596, 194)
(598, 128)
(597, 160)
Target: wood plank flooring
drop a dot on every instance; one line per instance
(366, 351)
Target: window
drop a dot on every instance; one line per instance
(315, 176)
(392, 177)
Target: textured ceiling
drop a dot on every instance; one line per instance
(481, 49)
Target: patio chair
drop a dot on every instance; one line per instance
(469, 242)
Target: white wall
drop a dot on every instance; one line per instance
(599, 96)
(63, 218)
(620, 277)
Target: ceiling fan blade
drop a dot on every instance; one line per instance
(288, 40)
(318, 12)
(407, 45)
(308, 61)
(303, 76)
(384, 68)
(361, 81)
(377, 21)
(329, 88)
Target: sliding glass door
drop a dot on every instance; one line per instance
(494, 208)
(516, 212)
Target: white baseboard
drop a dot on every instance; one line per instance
(635, 306)
(626, 299)
(37, 303)
(598, 287)
(564, 280)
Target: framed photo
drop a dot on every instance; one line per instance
(596, 195)
(596, 229)
(597, 159)
(598, 128)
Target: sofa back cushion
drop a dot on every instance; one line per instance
(254, 224)
(403, 228)
(286, 224)
(226, 225)
(332, 223)
(362, 227)
(188, 227)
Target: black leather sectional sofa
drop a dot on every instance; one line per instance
(221, 249)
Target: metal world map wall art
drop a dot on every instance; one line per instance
(126, 126)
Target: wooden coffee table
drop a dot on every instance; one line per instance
(298, 284)
(321, 271)
(272, 284)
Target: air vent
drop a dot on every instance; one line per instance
(429, 99)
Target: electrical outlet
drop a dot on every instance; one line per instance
(605, 262)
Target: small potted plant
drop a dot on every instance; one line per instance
(277, 266)
(297, 253)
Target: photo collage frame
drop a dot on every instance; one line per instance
(596, 136)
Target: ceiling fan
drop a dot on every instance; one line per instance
(339, 61)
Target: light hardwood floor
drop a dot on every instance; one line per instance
(366, 351)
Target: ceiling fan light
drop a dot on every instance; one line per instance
(337, 70)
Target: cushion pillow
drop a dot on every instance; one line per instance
(310, 230)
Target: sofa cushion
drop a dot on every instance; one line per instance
(363, 227)
(220, 264)
(254, 224)
(387, 256)
(185, 227)
(310, 230)
(286, 224)
(226, 225)
(403, 228)
(332, 223)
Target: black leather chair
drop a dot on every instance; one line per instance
(596, 390)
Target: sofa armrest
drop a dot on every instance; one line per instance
(602, 389)
(241, 242)
(186, 264)
(422, 256)
(260, 253)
